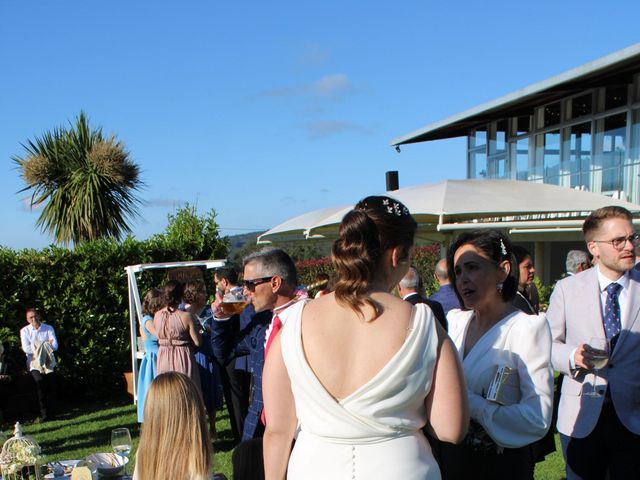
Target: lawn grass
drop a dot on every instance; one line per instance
(85, 428)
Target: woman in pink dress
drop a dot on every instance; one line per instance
(178, 335)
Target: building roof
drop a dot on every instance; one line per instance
(615, 68)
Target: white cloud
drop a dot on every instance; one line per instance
(333, 86)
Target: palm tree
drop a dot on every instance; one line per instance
(86, 182)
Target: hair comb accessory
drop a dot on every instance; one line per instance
(385, 204)
(503, 249)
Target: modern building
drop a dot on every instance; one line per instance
(580, 129)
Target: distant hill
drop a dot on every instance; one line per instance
(241, 244)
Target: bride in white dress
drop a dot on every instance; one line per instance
(357, 373)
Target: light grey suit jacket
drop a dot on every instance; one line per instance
(575, 316)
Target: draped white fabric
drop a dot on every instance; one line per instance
(375, 431)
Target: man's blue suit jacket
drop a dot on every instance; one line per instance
(227, 345)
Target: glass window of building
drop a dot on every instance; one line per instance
(478, 164)
(634, 156)
(580, 106)
(631, 171)
(576, 154)
(521, 125)
(478, 137)
(547, 163)
(520, 154)
(610, 150)
(613, 96)
(549, 115)
(498, 137)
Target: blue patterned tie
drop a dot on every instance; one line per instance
(611, 318)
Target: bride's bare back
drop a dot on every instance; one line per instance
(344, 350)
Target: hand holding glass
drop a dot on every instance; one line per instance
(599, 358)
(233, 303)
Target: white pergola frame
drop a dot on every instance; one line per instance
(135, 305)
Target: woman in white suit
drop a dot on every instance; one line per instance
(489, 334)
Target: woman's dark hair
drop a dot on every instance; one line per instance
(497, 247)
(152, 302)
(375, 225)
(172, 293)
(520, 253)
(192, 289)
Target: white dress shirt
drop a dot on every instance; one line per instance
(283, 314)
(29, 336)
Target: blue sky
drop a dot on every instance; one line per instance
(266, 110)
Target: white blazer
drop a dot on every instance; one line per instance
(521, 342)
(575, 316)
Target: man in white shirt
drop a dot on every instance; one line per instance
(599, 416)
(32, 337)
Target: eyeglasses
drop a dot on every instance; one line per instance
(251, 284)
(620, 242)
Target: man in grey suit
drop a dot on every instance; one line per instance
(601, 433)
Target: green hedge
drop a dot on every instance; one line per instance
(83, 294)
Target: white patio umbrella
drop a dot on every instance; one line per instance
(452, 205)
(297, 228)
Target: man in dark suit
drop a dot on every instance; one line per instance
(600, 431)
(270, 281)
(409, 289)
(236, 376)
(445, 295)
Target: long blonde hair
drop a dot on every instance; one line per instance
(174, 442)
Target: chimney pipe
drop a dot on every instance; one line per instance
(392, 180)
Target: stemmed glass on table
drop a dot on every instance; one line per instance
(121, 443)
(599, 359)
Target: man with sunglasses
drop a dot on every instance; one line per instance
(600, 434)
(270, 281)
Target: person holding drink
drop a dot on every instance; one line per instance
(506, 357)
(236, 376)
(270, 280)
(595, 323)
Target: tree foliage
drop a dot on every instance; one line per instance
(193, 236)
(85, 182)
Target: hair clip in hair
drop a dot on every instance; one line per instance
(503, 249)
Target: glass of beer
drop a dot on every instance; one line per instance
(233, 303)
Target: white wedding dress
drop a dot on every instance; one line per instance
(374, 433)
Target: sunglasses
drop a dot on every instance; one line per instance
(251, 284)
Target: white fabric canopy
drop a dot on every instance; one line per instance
(467, 204)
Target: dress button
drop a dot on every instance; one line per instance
(611, 365)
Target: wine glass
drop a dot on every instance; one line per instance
(599, 359)
(121, 443)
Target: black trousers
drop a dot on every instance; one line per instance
(463, 462)
(610, 447)
(235, 384)
(45, 388)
